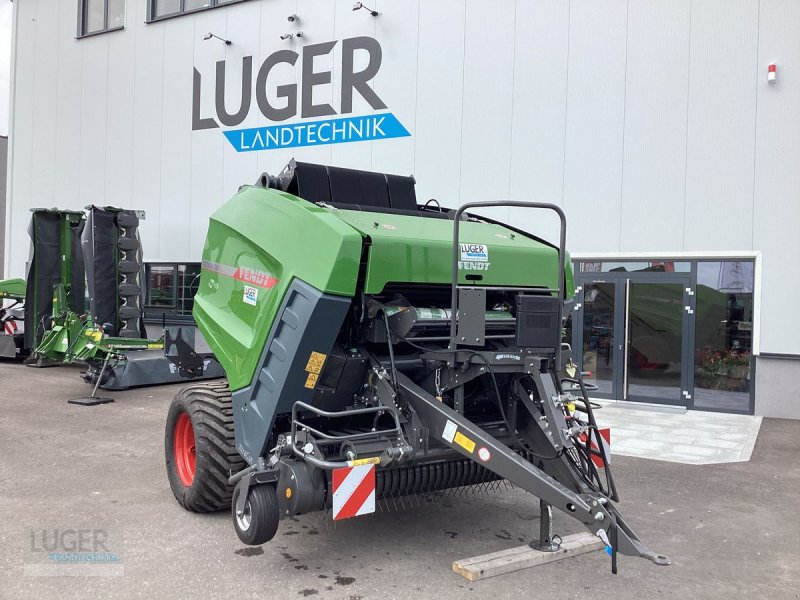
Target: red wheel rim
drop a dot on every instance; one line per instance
(184, 449)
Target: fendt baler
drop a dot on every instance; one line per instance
(377, 349)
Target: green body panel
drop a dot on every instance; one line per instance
(409, 249)
(261, 239)
(13, 289)
(273, 235)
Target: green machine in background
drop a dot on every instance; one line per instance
(12, 312)
(56, 258)
(85, 294)
(73, 338)
(76, 338)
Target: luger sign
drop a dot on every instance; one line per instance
(295, 100)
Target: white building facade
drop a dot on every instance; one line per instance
(652, 124)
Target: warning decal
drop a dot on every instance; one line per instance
(315, 362)
(311, 380)
(463, 441)
(314, 365)
(353, 491)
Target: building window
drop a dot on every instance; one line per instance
(97, 16)
(160, 286)
(162, 9)
(724, 336)
(188, 284)
(632, 266)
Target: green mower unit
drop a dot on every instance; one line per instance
(376, 350)
(84, 298)
(113, 362)
(73, 338)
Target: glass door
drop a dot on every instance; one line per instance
(597, 335)
(657, 311)
(632, 334)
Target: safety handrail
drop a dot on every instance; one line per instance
(562, 253)
(344, 413)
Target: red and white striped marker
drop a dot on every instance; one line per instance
(353, 491)
(605, 437)
(10, 327)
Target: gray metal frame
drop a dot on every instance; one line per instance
(598, 514)
(82, 33)
(151, 12)
(562, 254)
(620, 279)
(577, 326)
(688, 331)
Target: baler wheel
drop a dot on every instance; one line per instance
(259, 523)
(199, 447)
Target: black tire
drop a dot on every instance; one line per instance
(260, 521)
(208, 407)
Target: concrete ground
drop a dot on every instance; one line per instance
(678, 435)
(731, 530)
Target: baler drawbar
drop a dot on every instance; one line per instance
(377, 348)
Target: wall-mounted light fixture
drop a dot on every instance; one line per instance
(360, 5)
(210, 35)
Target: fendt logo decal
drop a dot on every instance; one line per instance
(243, 274)
(280, 100)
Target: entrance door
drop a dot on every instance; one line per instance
(656, 348)
(597, 336)
(631, 333)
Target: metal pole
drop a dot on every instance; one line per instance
(100, 376)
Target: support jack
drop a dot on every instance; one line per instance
(94, 399)
(547, 542)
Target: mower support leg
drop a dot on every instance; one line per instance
(94, 399)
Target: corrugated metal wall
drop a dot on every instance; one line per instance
(650, 122)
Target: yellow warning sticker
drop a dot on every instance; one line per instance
(315, 362)
(311, 380)
(373, 460)
(463, 441)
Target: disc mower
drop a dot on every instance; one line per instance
(376, 349)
